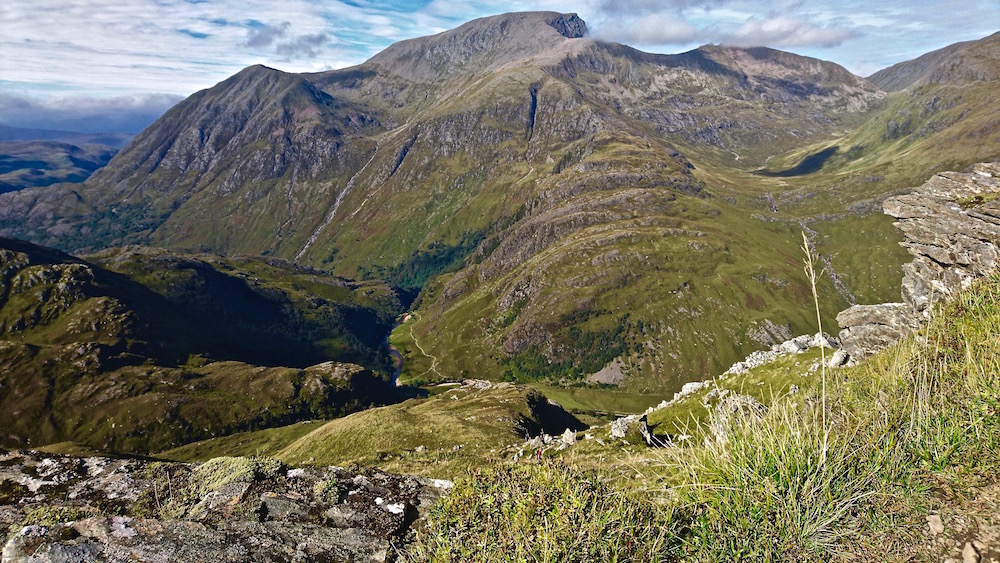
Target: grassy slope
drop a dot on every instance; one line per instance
(910, 423)
(932, 128)
(156, 349)
(632, 263)
(454, 429)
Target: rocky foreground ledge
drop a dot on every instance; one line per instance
(60, 508)
(951, 226)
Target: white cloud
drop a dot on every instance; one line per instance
(651, 30)
(100, 48)
(785, 31)
(266, 35)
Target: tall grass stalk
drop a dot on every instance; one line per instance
(811, 276)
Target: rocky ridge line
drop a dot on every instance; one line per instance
(951, 225)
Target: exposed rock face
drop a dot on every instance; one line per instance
(634, 429)
(869, 328)
(951, 225)
(59, 508)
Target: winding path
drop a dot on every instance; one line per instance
(433, 358)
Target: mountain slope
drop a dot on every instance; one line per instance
(166, 349)
(590, 204)
(961, 62)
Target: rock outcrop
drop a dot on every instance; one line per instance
(727, 409)
(797, 345)
(951, 226)
(61, 508)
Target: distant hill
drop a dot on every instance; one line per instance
(26, 164)
(138, 350)
(115, 140)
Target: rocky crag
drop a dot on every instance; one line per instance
(60, 508)
(951, 226)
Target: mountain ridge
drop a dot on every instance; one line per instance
(534, 201)
(958, 62)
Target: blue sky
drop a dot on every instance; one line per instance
(64, 54)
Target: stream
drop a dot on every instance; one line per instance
(397, 356)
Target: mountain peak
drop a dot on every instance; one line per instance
(570, 26)
(483, 44)
(968, 61)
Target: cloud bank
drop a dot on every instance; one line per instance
(120, 114)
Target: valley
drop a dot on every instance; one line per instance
(562, 273)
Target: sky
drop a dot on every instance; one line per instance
(63, 59)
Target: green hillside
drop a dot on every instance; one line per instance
(137, 350)
(562, 205)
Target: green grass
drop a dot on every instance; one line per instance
(547, 513)
(914, 420)
(768, 384)
(261, 442)
(589, 400)
(454, 430)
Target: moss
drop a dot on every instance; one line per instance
(216, 473)
(51, 515)
(11, 492)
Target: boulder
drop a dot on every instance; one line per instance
(730, 409)
(866, 329)
(633, 429)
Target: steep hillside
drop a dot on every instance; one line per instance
(151, 349)
(943, 118)
(592, 205)
(969, 61)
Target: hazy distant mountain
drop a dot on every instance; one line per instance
(25, 164)
(594, 206)
(116, 140)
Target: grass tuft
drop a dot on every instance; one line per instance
(544, 512)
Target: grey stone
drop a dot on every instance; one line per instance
(838, 358)
(308, 514)
(952, 241)
(569, 437)
(733, 408)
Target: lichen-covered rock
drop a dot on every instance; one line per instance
(951, 226)
(61, 508)
(727, 409)
(633, 429)
(870, 328)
